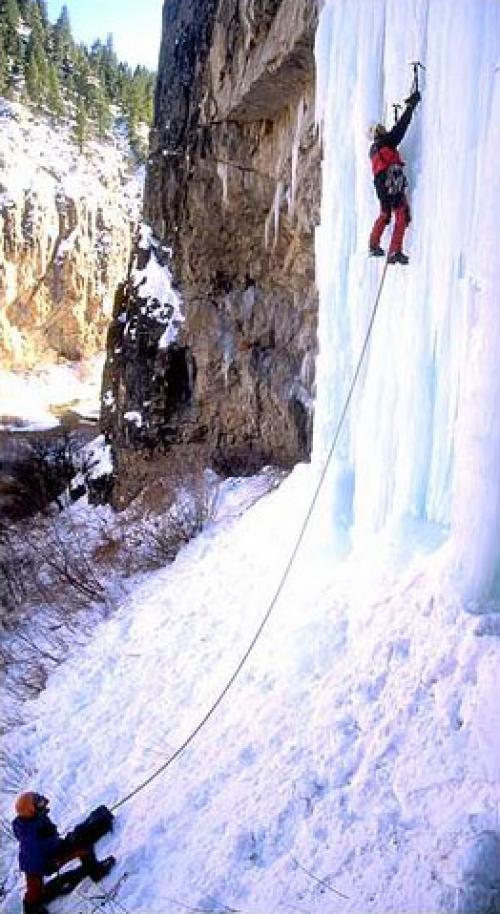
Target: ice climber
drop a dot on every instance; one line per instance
(42, 850)
(390, 183)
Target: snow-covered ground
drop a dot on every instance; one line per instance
(32, 398)
(40, 159)
(361, 741)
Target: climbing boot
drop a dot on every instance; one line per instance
(376, 251)
(34, 907)
(398, 257)
(98, 869)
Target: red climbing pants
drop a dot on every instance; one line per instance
(34, 889)
(402, 220)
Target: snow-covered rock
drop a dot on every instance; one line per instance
(66, 224)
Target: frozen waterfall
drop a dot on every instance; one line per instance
(422, 441)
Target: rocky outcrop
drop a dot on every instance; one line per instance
(232, 198)
(67, 220)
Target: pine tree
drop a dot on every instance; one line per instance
(95, 59)
(10, 14)
(140, 95)
(4, 70)
(54, 97)
(38, 25)
(63, 47)
(57, 70)
(104, 119)
(33, 80)
(9, 23)
(37, 69)
(18, 41)
(81, 126)
(84, 83)
(110, 67)
(42, 6)
(63, 38)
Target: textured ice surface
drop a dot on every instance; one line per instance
(423, 435)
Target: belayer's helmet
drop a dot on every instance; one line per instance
(28, 804)
(375, 131)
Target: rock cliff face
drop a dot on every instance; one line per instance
(232, 198)
(66, 228)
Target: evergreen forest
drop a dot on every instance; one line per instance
(41, 64)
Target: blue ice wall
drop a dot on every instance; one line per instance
(422, 439)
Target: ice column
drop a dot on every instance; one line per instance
(421, 441)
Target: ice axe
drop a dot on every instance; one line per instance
(416, 64)
(397, 109)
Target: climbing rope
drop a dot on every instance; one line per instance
(189, 739)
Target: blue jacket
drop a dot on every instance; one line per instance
(39, 843)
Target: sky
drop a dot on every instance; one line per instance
(135, 25)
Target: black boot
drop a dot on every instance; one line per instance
(398, 257)
(34, 907)
(376, 251)
(98, 869)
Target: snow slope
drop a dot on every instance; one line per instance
(357, 741)
(361, 742)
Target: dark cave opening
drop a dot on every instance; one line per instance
(180, 377)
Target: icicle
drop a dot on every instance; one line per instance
(276, 210)
(228, 355)
(322, 53)
(299, 120)
(222, 172)
(247, 20)
(267, 227)
(273, 215)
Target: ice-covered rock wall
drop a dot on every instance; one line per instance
(422, 440)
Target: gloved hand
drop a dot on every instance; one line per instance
(413, 99)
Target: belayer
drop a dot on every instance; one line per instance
(390, 183)
(42, 851)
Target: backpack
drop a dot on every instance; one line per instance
(395, 180)
(95, 826)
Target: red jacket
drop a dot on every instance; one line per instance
(383, 152)
(383, 156)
